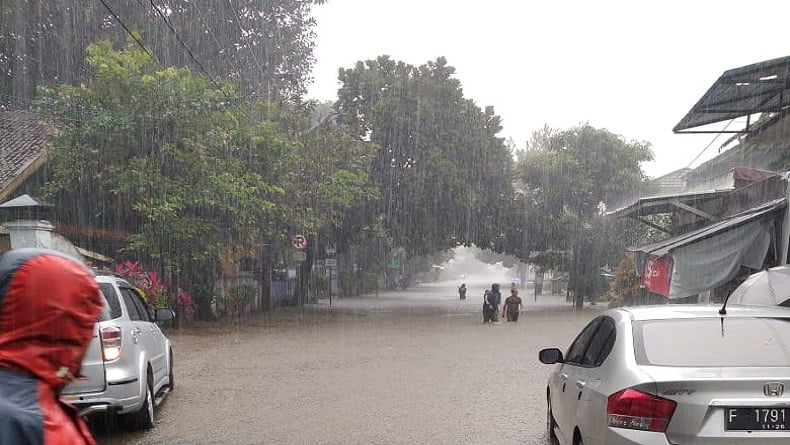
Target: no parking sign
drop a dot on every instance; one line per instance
(299, 242)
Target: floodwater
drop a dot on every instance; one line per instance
(407, 367)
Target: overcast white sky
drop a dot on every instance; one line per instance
(633, 67)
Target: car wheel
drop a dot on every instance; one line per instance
(144, 419)
(551, 424)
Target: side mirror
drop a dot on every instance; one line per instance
(550, 356)
(164, 314)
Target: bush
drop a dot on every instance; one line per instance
(319, 285)
(236, 301)
(371, 281)
(625, 286)
(157, 292)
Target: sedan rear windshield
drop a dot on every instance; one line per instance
(713, 342)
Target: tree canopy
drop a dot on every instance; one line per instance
(443, 173)
(193, 144)
(568, 178)
(190, 172)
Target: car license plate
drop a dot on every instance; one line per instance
(71, 398)
(757, 419)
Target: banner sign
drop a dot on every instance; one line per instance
(657, 275)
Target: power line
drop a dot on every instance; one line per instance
(192, 55)
(153, 57)
(220, 49)
(710, 143)
(123, 25)
(178, 38)
(180, 41)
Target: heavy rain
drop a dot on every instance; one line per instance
(307, 213)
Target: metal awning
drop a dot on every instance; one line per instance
(666, 246)
(654, 205)
(757, 88)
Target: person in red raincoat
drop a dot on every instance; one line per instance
(49, 305)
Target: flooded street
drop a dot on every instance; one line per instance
(202, 159)
(406, 367)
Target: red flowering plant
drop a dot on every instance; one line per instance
(132, 272)
(155, 290)
(184, 304)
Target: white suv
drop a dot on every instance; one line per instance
(128, 369)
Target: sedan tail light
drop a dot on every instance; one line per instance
(639, 411)
(111, 343)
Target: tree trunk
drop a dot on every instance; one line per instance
(201, 277)
(265, 278)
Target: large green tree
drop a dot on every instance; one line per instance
(443, 173)
(161, 155)
(196, 175)
(569, 177)
(329, 177)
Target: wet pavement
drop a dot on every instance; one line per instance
(407, 367)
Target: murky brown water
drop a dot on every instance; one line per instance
(413, 367)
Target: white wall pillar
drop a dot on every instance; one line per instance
(30, 233)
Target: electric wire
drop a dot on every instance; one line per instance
(128, 31)
(137, 40)
(184, 45)
(194, 58)
(709, 144)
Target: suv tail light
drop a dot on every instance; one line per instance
(639, 411)
(111, 343)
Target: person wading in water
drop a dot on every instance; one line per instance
(512, 307)
(491, 301)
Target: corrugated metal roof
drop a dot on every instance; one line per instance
(652, 205)
(757, 88)
(666, 246)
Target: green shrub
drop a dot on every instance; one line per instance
(319, 284)
(625, 286)
(237, 300)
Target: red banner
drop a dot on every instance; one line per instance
(657, 275)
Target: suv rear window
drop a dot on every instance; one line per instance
(713, 342)
(113, 304)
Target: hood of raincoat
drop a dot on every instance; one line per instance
(49, 305)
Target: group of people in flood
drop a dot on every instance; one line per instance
(492, 299)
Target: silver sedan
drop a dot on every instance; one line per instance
(673, 374)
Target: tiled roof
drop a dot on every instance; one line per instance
(23, 141)
(673, 182)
